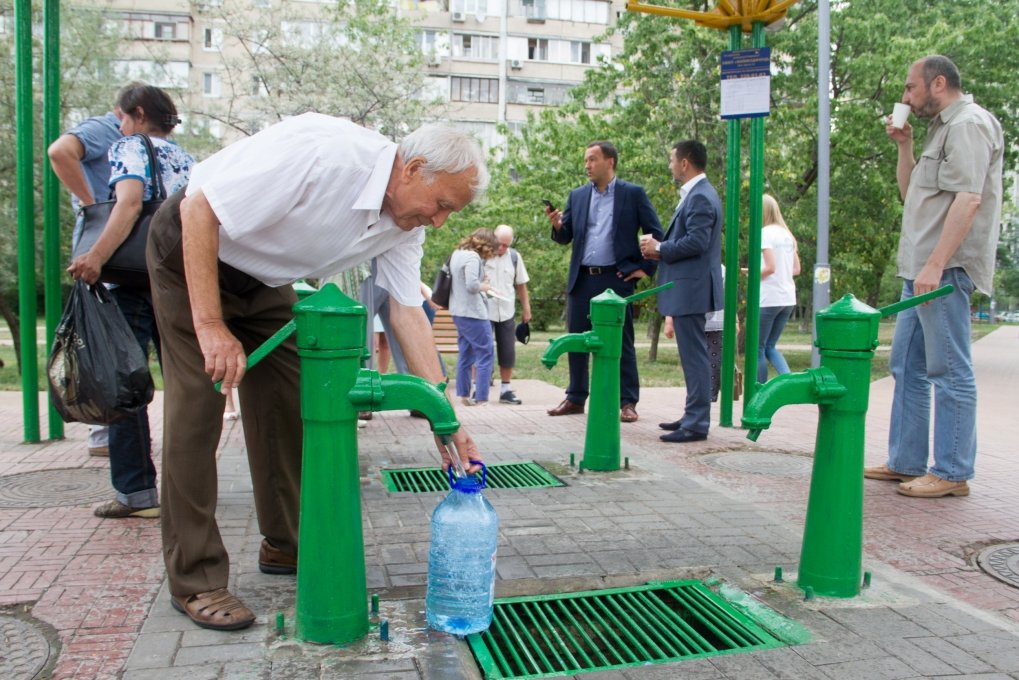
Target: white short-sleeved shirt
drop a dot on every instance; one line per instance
(504, 277)
(303, 198)
(778, 290)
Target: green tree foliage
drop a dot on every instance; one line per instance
(89, 45)
(353, 59)
(664, 87)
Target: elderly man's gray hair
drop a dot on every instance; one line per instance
(446, 150)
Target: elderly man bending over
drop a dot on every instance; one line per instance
(307, 197)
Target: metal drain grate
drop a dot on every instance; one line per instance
(526, 475)
(561, 634)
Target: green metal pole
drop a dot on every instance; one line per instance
(754, 246)
(26, 218)
(50, 188)
(732, 187)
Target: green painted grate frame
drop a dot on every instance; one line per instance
(521, 475)
(547, 636)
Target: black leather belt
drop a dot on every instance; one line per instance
(595, 271)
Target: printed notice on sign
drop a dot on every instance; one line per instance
(746, 83)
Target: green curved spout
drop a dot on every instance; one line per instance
(812, 386)
(395, 392)
(571, 342)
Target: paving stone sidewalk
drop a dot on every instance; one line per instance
(695, 511)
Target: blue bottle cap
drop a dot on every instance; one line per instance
(468, 483)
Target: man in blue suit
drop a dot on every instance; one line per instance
(601, 219)
(691, 255)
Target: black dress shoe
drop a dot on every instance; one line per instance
(682, 436)
(671, 427)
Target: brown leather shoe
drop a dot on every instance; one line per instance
(216, 610)
(932, 486)
(884, 473)
(566, 408)
(272, 560)
(628, 413)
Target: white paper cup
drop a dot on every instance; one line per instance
(899, 115)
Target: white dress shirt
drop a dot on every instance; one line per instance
(303, 198)
(687, 186)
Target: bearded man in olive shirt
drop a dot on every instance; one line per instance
(950, 226)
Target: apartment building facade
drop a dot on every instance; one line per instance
(488, 61)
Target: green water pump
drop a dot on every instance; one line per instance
(831, 558)
(605, 343)
(332, 596)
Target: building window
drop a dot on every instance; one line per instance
(587, 11)
(212, 39)
(470, 46)
(261, 3)
(476, 7)
(537, 49)
(427, 42)
(258, 87)
(533, 9)
(164, 30)
(580, 52)
(483, 90)
(210, 84)
(535, 95)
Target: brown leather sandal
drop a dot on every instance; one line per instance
(216, 610)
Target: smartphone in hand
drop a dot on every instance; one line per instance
(548, 204)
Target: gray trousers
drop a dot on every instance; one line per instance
(693, 356)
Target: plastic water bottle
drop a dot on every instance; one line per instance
(461, 562)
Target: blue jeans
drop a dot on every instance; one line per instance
(773, 320)
(931, 346)
(131, 469)
(476, 349)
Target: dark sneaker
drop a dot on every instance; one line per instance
(116, 510)
(509, 397)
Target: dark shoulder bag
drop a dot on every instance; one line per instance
(126, 267)
(442, 286)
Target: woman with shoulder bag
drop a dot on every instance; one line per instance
(469, 310)
(148, 111)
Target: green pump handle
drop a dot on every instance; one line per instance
(913, 301)
(274, 341)
(649, 292)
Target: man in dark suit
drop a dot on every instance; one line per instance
(691, 255)
(601, 219)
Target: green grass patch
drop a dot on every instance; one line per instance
(665, 372)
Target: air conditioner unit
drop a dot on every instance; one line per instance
(435, 61)
(459, 17)
(516, 64)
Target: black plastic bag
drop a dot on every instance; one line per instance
(97, 372)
